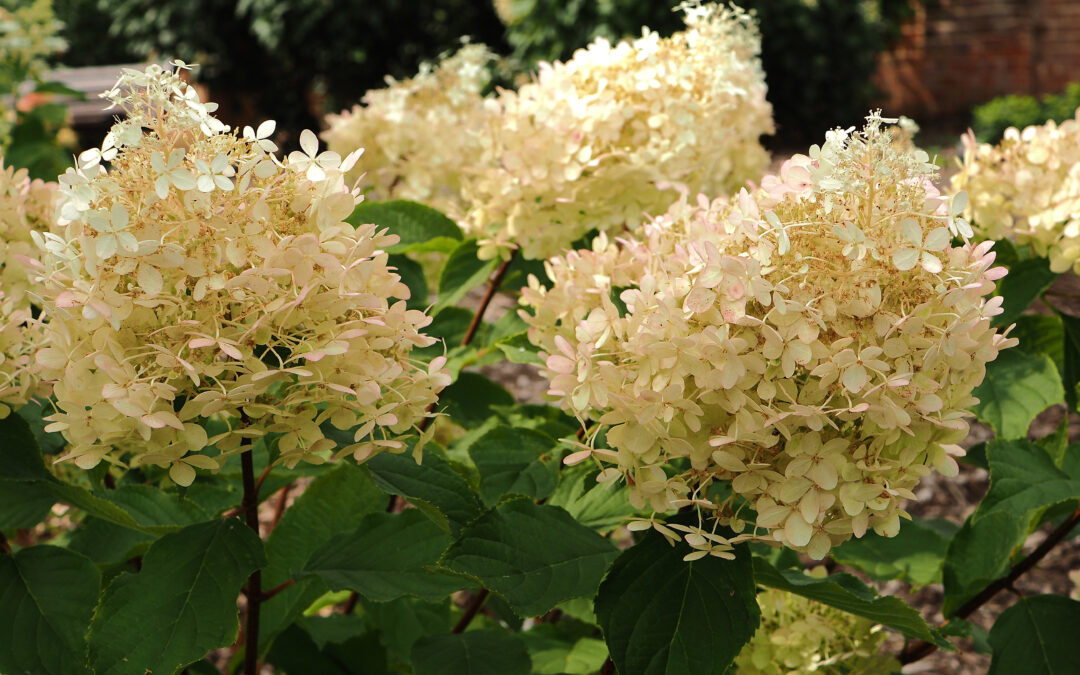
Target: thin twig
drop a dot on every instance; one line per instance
(279, 508)
(237, 510)
(254, 586)
(493, 287)
(277, 589)
(470, 610)
(920, 649)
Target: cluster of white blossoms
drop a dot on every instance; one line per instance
(199, 276)
(418, 133)
(1027, 186)
(799, 636)
(814, 343)
(593, 143)
(25, 205)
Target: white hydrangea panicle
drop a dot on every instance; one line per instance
(1027, 187)
(199, 277)
(419, 133)
(26, 206)
(618, 131)
(800, 636)
(813, 343)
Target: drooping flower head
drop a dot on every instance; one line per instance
(1027, 186)
(25, 205)
(798, 636)
(812, 346)
(199, 276)
(419, 133)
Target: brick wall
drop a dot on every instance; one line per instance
(958, 53)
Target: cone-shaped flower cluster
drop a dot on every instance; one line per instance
(25, 205)
(591, 143)
(199, 276)
(815, 343)
(418, 133)
(798, 635)
(1027, 186)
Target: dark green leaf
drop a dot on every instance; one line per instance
(462, 272)
(156, 511)
(1071, 375)
(106, 543)
(977, 555)
(1017, 388)
(433, 483)
(24, 505)
(296, 652)
(476, 652)
(47, 596)
(384, 558)
(180, 605)
(664, 616)
(1057, 443)
(515, 461)
(1042, 334)
(1036, 636)
(1023, 481)
(333, 629)
(534, 556)
(403, 621)
(847, 593)
(914, 555)
(412, 275)
(421, 228)
(1025, 281)
(470, 400)
(554, 654)
(333, 504)
(980, 638)
(51, 443)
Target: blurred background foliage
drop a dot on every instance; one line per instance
(294, 60)
(991, 119)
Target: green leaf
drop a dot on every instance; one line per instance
(518, 349)
(664, 616)
(1017, 388)
(51, 443)
(404, 621)
(333, 504)
(470, 400)
(155, 510)
(847, 593)
(48, 595)
(21, 463)
(412, 275)
(1071, 375)
(180, 605)
(385, 557)
(462, 272)
(1023, 481)
(434, 484)
(23, 505)
(1036, 636)
(554, 654)
(915, 554)
(420, 227)
(1057, 443)
(977, 555)
(296, 652)
(1025, 281)
(533, 556)
(980, 637)
(107, 543)
(1042, 334)
(475, 652)
(515, 461)
(601, 506)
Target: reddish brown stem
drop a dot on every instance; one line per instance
(279, 509)
(920, 649)
(254, 586)
(471, 609)
(493, 287)
(277, 589)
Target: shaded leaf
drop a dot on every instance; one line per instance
(1017, 388)
(1026, 280)
(419, 227)
(475, 652)
(915, 554)
(434, 483)
(534, 556)
(1036, 636)
(515, 461)
(463, 271)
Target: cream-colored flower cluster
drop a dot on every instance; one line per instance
(593, 143)
(418, 133)
(815, 343)
(199, 276)
(25, 205)
(799, 636)
(1027, 186)
(596, 142)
